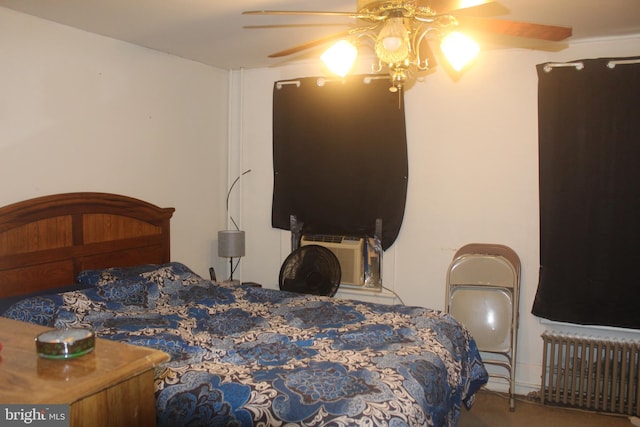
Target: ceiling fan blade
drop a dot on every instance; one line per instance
(311, 44)
(493, 41)
(258, 27)
(446, 6)
(484, 10)
(300, 12)
(515, 28)
(492, 8)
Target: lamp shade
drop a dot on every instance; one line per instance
(230, 243)
(340, 57)
(459, 49)
(392, 43)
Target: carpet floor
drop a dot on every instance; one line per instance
(491, 409)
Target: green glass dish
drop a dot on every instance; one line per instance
(65, 343)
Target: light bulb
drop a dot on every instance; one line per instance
(458, 49)
(392, 43)
(340, 57)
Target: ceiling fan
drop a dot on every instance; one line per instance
(402, 33)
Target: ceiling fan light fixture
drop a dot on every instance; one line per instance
(340, 57)
(400, 74)
(459, 49)
(392, 43)
(401, 32)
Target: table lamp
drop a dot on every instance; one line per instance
(231, 245)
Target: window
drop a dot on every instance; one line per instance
(589, 149)
(339, 157)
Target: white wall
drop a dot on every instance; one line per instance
(81, 112)
(473, 177)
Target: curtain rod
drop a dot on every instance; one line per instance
(368, 79)
(290, 82)
(550, 66)
(321, 81)
(612, 64)
(580, 65)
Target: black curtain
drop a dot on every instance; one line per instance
(589, 154)
(339, 156)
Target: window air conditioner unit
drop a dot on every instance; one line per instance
(348, 250)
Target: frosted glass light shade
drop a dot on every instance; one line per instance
(458, 49)
(230, 243)
(392, 43)
(340, 57)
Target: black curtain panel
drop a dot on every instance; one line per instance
(339, 156)
(589, 154)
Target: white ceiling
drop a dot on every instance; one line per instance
(214, 31)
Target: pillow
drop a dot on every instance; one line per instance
(5, 303)
(138, 273)
(105, 276)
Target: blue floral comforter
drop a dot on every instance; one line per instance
(245, 356)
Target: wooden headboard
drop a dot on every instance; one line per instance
(45, 242)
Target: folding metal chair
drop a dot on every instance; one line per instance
(483, 284)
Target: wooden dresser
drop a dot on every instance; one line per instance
(111, 386)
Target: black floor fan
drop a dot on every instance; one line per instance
(311, 269)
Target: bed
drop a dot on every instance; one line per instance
(240, 355)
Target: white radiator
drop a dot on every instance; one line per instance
(591, 373)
